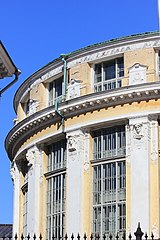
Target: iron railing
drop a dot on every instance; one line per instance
(138, 235)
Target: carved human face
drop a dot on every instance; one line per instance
(138, 128)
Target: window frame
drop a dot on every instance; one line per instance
(56, 175)
(110, 83)
(118, 203)
(119, 140)
(53, 98)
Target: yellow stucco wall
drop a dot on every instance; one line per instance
(144, 57)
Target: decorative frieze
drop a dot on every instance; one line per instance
(113, 51)
(52, 73)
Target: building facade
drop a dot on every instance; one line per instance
(85, 145)
(7, 68)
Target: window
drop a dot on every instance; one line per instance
(109, 213)
(158, 65)
(109, 186)
(56, 189)
(108, 75)
(25, 210)
(24, 169)
(109, 142)
(55, 91)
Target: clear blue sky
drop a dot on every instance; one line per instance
(35, 32)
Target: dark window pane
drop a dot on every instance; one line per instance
(109, 70)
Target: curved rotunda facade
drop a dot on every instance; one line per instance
(84, 149)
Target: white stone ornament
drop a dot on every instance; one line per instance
(137, 74)
(72, 143)
(32, 156)
(138, 131)
(74, 89)
(32, 106)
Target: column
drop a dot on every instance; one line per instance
(139, 160)
(15, 174)
(154, 177)
(33, 157)
(75, 156)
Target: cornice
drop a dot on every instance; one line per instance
(89, 54)
(46, 117)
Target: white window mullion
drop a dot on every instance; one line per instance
(116, 73)
(51, 205)
(116, 195)
(61, 209)
(102, 76)
(101, 199)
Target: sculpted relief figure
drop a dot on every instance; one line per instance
(138, 131)
(30, 157)
(72, 143)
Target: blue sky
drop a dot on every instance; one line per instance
(35, 32)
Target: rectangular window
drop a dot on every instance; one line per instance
(56, 190)
(55, 91)
(158, 63)
(25, 210)
(56, 156)
(109, 142)
(108, 75)
(109, 197)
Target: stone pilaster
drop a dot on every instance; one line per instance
(15, 174)
(75, 163)
(139, 160)
(154, 179)
(33, 156)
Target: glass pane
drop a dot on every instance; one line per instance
(98, 73)
(51, 94)
(58, 87)
(109, 214)
(109, 70)
(120, 67)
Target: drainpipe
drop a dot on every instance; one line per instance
(17, 73)
(64, 57)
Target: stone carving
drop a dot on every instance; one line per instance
(32, 156)
(137, 74)
(155, 230)
(138, 131)
(32, 106)
(14, 172)
(72, 143)
(154, 137)
(86, 141)
(74, 89)
(52, 73)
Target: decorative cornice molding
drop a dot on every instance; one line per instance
(91, 102)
